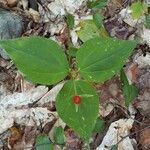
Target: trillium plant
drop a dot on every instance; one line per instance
(43, 61)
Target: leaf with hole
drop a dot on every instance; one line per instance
(41, 60)
(83, 118)
(99, 59)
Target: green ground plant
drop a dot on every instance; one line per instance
(43, 61)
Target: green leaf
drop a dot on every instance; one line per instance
(98, 19)
(82, 117)
(59, 136)
(100, 58)
(43, 143)
(88, 30)
(99, 126)
(147, 22)
(70, 20)
(138, 9)
(41, 60)
(130, 91)
(97, 4)
(114, 147)
(72, 51)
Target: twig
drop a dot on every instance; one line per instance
(131, 134)
(125, 110)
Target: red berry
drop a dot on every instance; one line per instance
(77, 99)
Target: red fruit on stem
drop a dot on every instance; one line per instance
(77, 99)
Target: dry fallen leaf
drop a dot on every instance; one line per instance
(12, 3)
(24, 98)
(116, 131)
(145, 139)
(15, 136)
(146, 35)
(132, 73)
(110, 92)
(28, 138)
(17, 107)
(51, 95)
(142, 61)
(72, 140)
(29, 117)
(143, 103)
(58, 7)
(35, 15)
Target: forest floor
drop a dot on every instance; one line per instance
(28, 110)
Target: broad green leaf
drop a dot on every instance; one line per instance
(147, 21)
(70, 20)
(130, 92)
(59, 136)
(97, 4)
(99, 126)
(138, 9)
(98, 19)
(82, 117)
(41, 60)
(43, 143)
(88, 30)
(100, 58)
